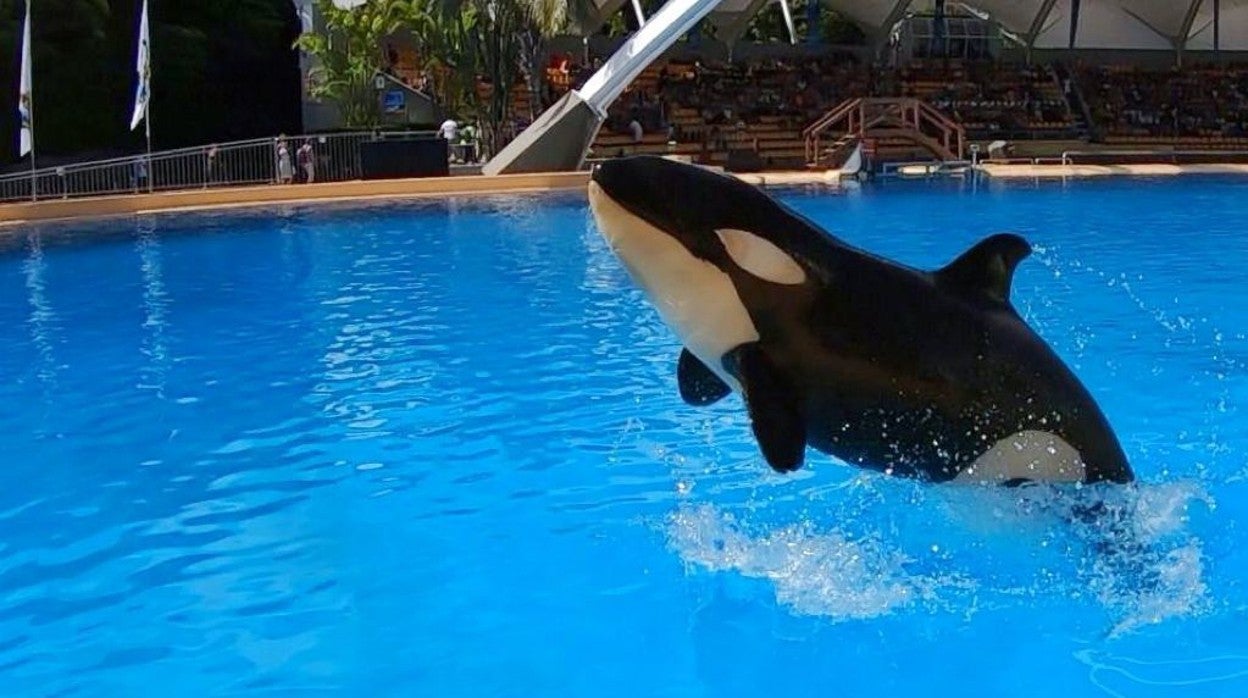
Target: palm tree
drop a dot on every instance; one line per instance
(547, 19)
(505, 39)
(350, 51)
(462, 41)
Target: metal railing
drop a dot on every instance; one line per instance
(1037, 160)
(1127, 157)
(335, 157)
(887, 117)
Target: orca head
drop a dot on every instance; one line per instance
(716, 218)
(684, 233)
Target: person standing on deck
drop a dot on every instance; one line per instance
(285, 173)
(307, 161)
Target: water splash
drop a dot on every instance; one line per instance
(1136, 559)
(814, 573)
(1146, 567)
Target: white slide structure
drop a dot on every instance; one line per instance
(558, 140)
(660, 31)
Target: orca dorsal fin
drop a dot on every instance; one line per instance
(987, 268)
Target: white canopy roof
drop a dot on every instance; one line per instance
(1117, 24)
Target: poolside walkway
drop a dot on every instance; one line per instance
(1016, 171)
(271, 194)
(475, 184)
(268, 194)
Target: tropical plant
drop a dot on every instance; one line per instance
(349, 52)
(496, 41)
(445, 31)
(546, 20)
(767, 25)
(508, 39)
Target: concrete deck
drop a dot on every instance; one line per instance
(793, 178)
(272, 194)
(269, 195)
(1021, 171)
(473, 184)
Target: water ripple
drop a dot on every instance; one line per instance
(335, 449)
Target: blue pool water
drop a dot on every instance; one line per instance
(436, 449)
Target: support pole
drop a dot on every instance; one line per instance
(147, 123)
(34, 178)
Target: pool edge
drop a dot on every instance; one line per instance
(1029, 171)
(15, 214)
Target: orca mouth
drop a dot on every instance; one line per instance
(636, 188)
(641, 186)
(684, 201)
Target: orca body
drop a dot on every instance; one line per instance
(928, 374)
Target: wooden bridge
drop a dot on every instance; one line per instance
(903, 127)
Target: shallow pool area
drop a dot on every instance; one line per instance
(436, 448)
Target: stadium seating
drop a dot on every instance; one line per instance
(1201, 107)
(707, 110)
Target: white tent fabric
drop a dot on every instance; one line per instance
(735, 6)
(1232, 29)
(732, 17)
(872, 14)
(1112, 24)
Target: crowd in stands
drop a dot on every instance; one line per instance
(992, 99)
(729, 95)
(714, 106)
(1199, 101)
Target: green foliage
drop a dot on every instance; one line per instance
(446, 34)
(349, 50)
(498, 40)
(834, 28)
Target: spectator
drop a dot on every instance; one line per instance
(449, 130)
(210, 165)
(634, 128)
(307, 161)
(285, 173)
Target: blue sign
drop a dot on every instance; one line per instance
(394, 102)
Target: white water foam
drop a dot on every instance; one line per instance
(1138, 561)
(1154, 568)
(814, 573)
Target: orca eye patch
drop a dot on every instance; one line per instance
(761, 257)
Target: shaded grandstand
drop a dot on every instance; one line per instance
(1031, 78)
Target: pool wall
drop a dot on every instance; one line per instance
(227, 197)
(94, 207)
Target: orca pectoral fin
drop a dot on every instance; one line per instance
(773, 407)
(698, 384)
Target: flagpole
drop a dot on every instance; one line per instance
(147, 108)
(143, 94)
(147, 124)
(34, 177)
(28, 85)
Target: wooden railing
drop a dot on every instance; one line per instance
(887, 117)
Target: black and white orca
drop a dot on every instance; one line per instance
(928, 374)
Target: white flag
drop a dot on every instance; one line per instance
(27, 142)
(143, 66)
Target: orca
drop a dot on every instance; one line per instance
(910, 372)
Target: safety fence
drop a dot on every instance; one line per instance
(294, 159)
